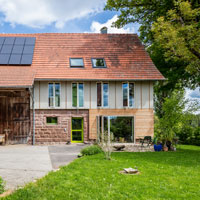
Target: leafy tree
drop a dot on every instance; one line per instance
(176, 113)
(144, 12)
(190, 133)
(179, 35)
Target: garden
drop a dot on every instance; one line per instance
(163, 175)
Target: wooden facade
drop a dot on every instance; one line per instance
(15, 115)
(143, 120)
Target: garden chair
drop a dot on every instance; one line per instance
(147, 140)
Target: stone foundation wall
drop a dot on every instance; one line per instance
(61, 132)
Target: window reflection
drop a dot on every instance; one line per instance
(121, 128)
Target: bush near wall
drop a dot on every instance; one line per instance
(1, 185)
(91, 150)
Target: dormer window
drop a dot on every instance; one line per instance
(76, 62)
(98, 63)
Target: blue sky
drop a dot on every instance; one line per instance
(70, 16)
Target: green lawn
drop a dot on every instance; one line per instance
(164, 175)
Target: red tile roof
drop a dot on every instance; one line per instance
(16, 76)
(125, 57)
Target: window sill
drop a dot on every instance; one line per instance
(51, 124)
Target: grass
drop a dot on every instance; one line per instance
(164, 175)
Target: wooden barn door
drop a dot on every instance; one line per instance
(21, 121)
(15, 115)
(3, 116)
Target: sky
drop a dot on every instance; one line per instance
(69, 16)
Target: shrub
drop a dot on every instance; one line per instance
(91, 150)
(190, 135)
(1, 185)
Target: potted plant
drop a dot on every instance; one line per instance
(157, 144)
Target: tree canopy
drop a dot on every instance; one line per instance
(144, 12)
(179, 35)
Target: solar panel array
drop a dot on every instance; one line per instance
(16, 50)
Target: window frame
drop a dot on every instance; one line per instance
(51, 123)
(77, 65)
(102, 95)
(128, 95)
(77, 84)
(99, 67)
(54, 92)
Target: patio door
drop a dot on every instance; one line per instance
(77, 130)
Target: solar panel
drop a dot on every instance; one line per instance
(30, 41)
(16, 50)
(9, 40)
(20, 40)
(26, 59)
(2, 40)
(6, 48)
(15, 59)
(4, 58)
(28, 49)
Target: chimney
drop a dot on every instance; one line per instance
(104, 30)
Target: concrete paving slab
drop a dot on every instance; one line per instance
(63, 155)
(20, 164)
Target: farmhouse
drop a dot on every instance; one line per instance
(63, 87)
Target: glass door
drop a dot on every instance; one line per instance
(77, 130)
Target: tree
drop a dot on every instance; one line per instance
(144, 12)
(175, 72)
(179, 35)
(176, 113)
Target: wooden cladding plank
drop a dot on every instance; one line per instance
(144, 120)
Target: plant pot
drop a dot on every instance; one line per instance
(157, 147)
(165, 148)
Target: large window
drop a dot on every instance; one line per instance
(76, 62)
(54, 94)
(98, 63)
(121, 128)
(102, 94)
(77, 94)
(128, 94)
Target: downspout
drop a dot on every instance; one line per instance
(33, 108)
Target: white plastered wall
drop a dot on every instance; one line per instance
(143, 95)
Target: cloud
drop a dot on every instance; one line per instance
(96, 26)
(41, 13)
(193, 94)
